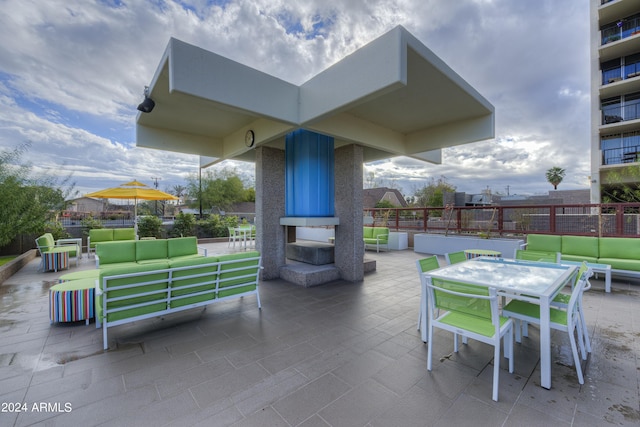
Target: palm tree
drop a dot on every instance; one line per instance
(555, 176)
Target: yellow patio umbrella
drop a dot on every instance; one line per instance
(132, 190)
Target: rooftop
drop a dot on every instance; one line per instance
(338, 354)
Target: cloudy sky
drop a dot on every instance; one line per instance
(73, 71)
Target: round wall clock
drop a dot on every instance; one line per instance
(249, 138)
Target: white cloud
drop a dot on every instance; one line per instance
(72, 73)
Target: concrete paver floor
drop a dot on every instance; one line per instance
(341, 354)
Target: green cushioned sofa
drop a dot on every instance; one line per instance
(98, 235)
(136, 252)
(621, 253)
(130, 291)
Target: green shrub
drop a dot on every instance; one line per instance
(150, 226)
(184, 225)
(217, 225)
(89, 223)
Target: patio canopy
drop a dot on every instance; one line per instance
(393, 96)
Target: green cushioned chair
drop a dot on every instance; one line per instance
(378, 236)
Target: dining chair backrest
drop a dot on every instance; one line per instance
(455, 257)
(584, 272)
(427, 264)
(470, 300)
(540, 256)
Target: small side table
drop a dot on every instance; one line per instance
(474, 253)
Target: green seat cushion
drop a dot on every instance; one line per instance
(533, 310)
(544, 243)
(45, 242)
(77, 275)
(580, 246)
(75, 285)
(228, 279)
(579, 258)
(621, 264)
(97, 235)
(367, 232)
(182, 246)
(151, 250)
(116, 252)
(124, 234)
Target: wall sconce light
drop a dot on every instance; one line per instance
(147, 105)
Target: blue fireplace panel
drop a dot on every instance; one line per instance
(309, 178)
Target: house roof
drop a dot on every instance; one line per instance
(393, 96)
(371, 196)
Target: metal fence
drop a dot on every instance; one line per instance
(603, 220)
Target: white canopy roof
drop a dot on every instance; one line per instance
(393, 96)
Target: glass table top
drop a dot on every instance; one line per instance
(533, 278)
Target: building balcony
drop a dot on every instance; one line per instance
(620, 156)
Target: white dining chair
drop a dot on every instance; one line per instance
(562, 320)
(471, 311)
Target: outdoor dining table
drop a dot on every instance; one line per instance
(536, 282)
(244, 230)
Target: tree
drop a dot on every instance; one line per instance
(555, 175)
(432, 194)
(220, 189)
(623, 185)
(28, 203)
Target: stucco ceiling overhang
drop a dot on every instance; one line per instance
(393, 96)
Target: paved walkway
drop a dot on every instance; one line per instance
(343, 354)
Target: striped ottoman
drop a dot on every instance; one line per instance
(55, 260)
(72, 301)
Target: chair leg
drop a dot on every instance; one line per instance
(576, 358)
(496, 369)
(518, 330)
(585, 330)
(429, 347)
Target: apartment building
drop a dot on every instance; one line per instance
(615, 95)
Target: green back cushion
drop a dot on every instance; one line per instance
(101, 235)
(123, 293)
(580, 245)
(183, 279)
(228, 279)
(367, 232)
(544, 243)
(617, 247)
(379, 231)
(114, 252)
(151, 249)
(182, 246)
(46, 242)
(124, 234)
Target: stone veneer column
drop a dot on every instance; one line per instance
(349, 248)
(269, 209)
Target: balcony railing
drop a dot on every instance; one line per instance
(617, 156)
(621, 30)
(608, 220)
(620, 114)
